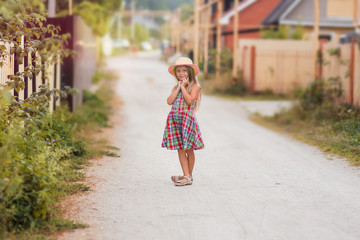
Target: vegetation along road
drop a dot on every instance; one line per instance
(249, 182)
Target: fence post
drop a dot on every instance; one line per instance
(218, 38)
(33, 63)
(196, 32)
(243, 59)
(26, 80)
(235, 36)
(351, 77)
(321, 60)
(253, 68)
(206, 44)
(16, 70)
(316, 35)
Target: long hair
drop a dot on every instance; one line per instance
(190, 85)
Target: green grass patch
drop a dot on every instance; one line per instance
(110, 154)
(41, 154)
(335, 130)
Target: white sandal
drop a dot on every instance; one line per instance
(178, 178)
(183, 182)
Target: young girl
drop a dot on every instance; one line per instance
(182, 131)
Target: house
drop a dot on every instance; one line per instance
(251, 14)
(273, 19)
(336, 17)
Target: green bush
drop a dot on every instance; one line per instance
(39, 149)
(31, 155)
(39, 154)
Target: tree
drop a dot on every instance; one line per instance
(187, 10)
(8, 7)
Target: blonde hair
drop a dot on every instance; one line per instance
(190, 85)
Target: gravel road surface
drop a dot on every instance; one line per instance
(249, 182)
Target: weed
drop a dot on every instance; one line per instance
(109, 154)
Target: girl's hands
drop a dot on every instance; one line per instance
(185, 82)
(179, 84)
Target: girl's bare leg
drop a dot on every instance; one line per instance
(184, 162)
(191, 160)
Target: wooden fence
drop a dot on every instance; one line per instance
(283, 65)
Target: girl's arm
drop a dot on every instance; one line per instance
(173, 94)
(190, 98)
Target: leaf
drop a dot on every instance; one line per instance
(18, 50)
(37, 70)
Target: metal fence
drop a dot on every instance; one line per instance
(75, 71)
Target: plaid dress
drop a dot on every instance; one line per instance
(182, 130)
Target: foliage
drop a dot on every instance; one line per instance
(140, 33)
(298, 33)
(283, 32)
(335, 129)
(8, 7)
(96, 14)
(318, 119)
(226, 59)
(335, 52)
(161, 4)
(32, 144)
(319, 92)
(38, 156)
(43, 42)
(36, 147)
(187, 11)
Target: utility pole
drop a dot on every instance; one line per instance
(316, 35)
(178, 29)
(356, 15)
(235, 35)
(70, 8)
(132, 20)
(51, 8)
(218, 38)
(196, 32)
(206, 44)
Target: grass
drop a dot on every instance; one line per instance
(336, 131)
(87, 121)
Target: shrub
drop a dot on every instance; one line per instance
(30, 161)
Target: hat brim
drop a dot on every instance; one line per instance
(171, 69)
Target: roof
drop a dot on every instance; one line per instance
(225, 19)
(274, 17)
(302, 12)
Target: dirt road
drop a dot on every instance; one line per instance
(249, 182)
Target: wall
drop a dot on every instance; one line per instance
(78, 70)
(340, 8)
(283, 65)
(280, 66)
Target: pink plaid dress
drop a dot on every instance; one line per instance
(182, 130)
